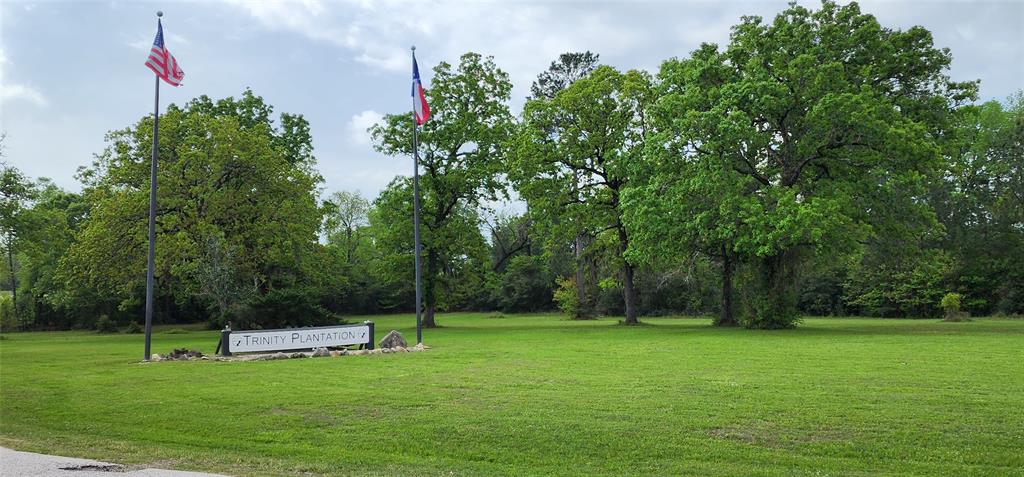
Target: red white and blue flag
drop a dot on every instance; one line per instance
(420, 108)
(162, 62)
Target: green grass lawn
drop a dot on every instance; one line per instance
(529, 395)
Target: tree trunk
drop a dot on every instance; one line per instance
(430, 291)
(725, 317)
(14, 281)
(628, 290)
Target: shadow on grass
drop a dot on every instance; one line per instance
(823, 327)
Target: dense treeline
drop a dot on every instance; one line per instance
(817, 164)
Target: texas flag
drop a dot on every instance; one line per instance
(420, 108)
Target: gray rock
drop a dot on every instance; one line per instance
(298, 355)
(278, 355)
(393, 339)
(156, 357)
(321, 353)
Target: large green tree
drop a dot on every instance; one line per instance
(573, 155)
(236, 208)
(462, 150)
(455, 273)
(815, 132)
(564, 71)
(16, 194)
(980, 201)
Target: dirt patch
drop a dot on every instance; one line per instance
(768, 434)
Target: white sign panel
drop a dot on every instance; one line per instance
(298, 338)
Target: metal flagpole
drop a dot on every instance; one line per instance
(416, 208)
(152, 214)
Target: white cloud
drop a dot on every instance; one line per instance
(141, 45)
(522, 37)
(178, 40)
(358, 125)
(10, 91)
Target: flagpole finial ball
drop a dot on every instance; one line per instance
(413, 47)
(159, 13)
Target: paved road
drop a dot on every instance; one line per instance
(27, 464)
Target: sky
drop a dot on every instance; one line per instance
(70, 71)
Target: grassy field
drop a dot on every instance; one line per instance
(530, 395)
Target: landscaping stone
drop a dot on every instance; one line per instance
(297, 355)
(393, 339)
(181, 354)
(278, 355)
(321, 353)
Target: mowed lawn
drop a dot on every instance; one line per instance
(537, 394)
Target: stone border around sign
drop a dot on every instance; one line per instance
(317, 353)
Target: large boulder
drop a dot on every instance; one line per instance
(393, 339)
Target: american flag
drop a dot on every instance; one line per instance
(162, 62)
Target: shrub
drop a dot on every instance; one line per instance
(565, 296)
(950, 305)
(7, 321)
(284, 308)
(133, 328)
(105, 325)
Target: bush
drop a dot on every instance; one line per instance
(133, 328)
(950, 305)
(565, 296)
(105, 325)
(284, 308)
(7, 321)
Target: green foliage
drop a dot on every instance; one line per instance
(979, 202)
(462, 151)
(567, 69)
(566, 298)
(104, 324)
(133, 328)
(8, 322)
(826, 162)
(236, 209)
(810, 133)
(285, 308)
(951, 303)
(526, 285)
(572, 156)
(911, 284)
